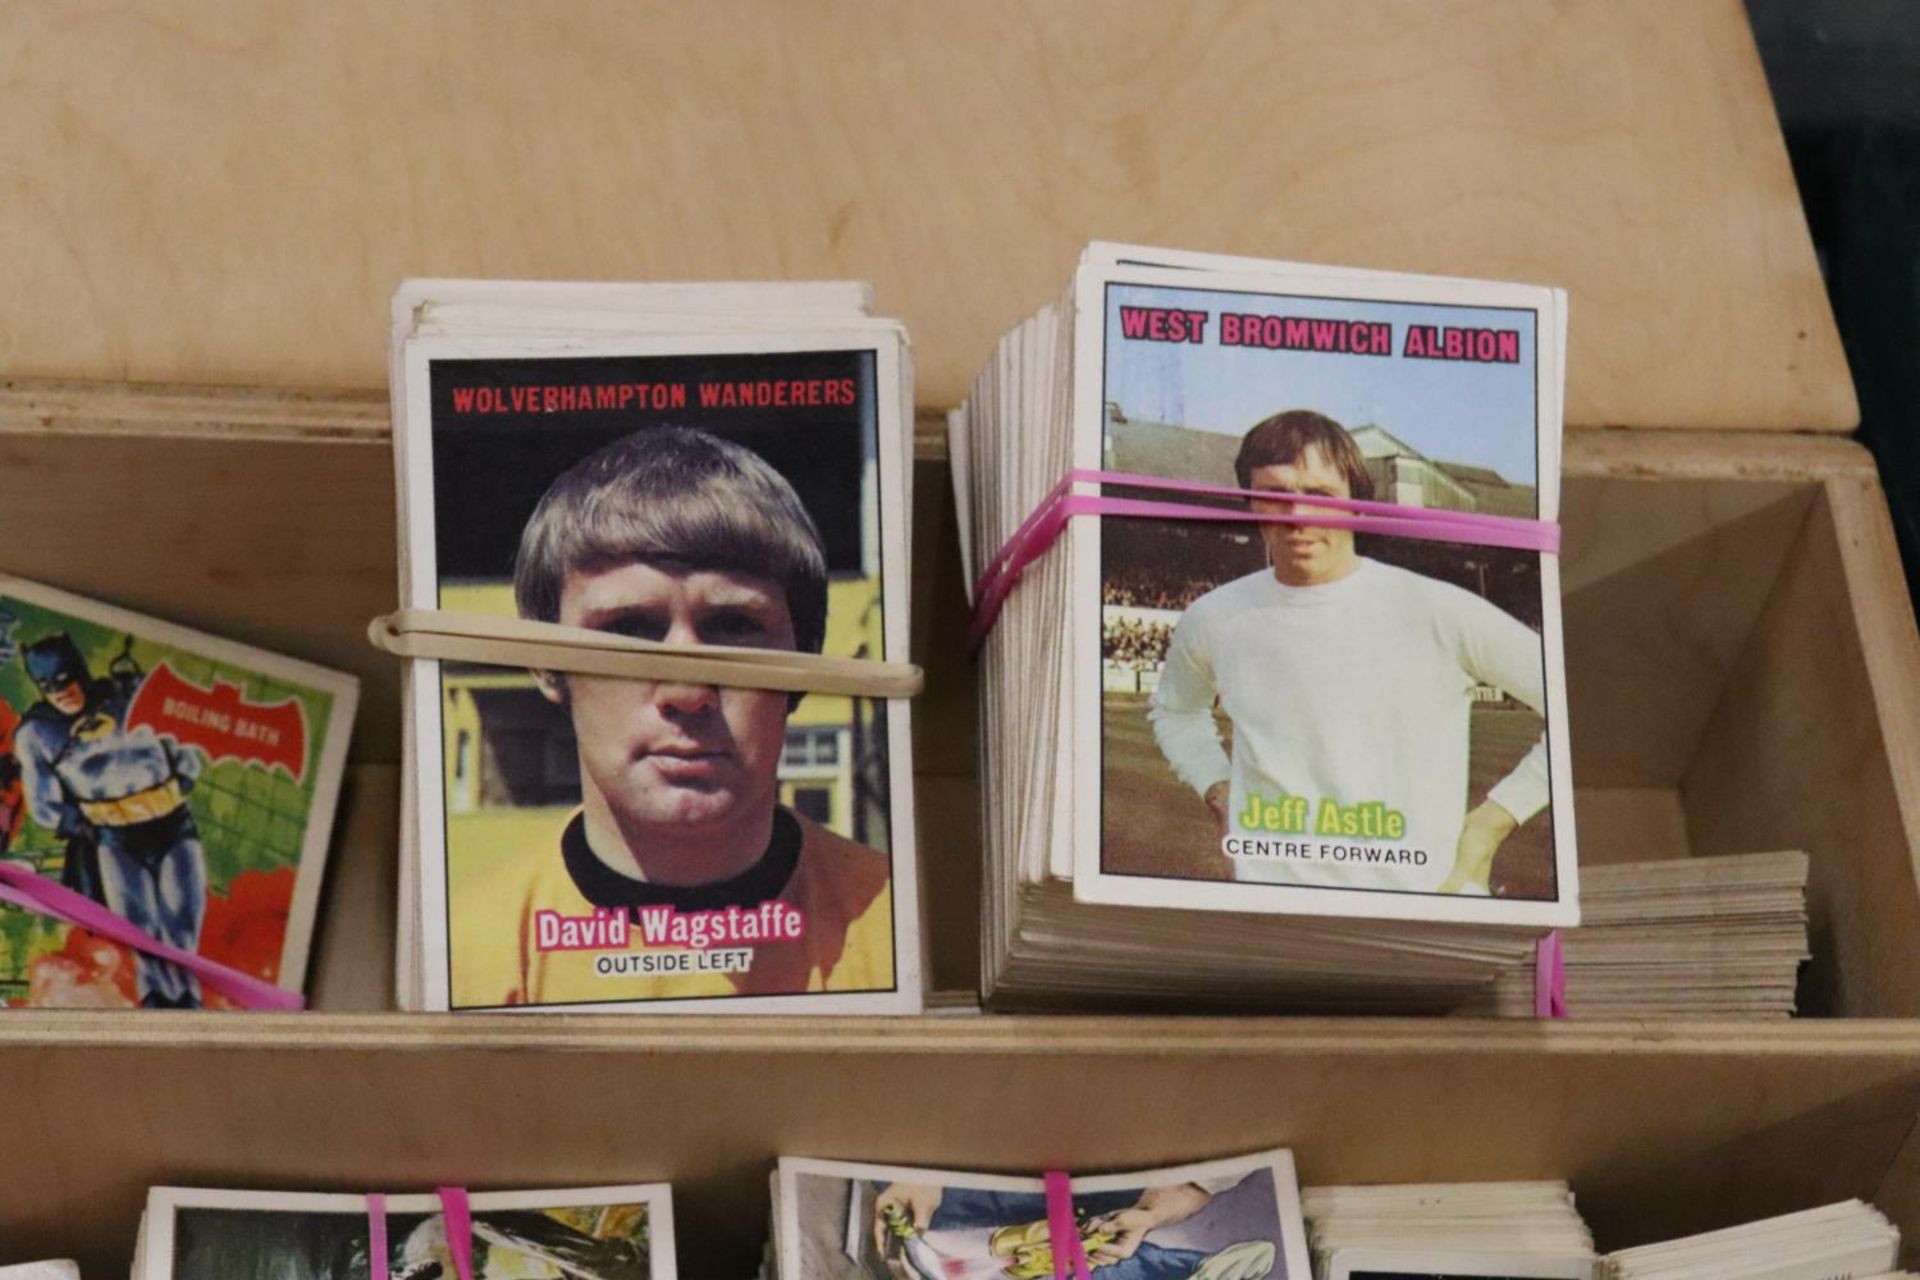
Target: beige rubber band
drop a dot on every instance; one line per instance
(547, 646)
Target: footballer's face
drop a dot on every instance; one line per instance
(672, 756)
(1305, 555)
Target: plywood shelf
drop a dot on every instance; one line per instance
(1659, 1133)
(241, 414)
(86, 409)
(1894, 1041)
(1744, 672)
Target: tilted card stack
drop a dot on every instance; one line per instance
(1851, 1238)
(183, 782)
(593, 1233)
(1260, 761)
(722, 466)
(1435, 1231)
(1682, 937)
(1232, 1219)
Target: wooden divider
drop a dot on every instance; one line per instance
(1744, 670)
(1659, 1135)
(227, 191)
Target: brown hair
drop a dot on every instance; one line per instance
(1285, 438)
(679, 497)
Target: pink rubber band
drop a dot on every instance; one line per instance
(377, 1237)
(456, 1221)
(1063, 1232)
(459, 1220)
(1041, 529)
(36, 893)
(1549, 977)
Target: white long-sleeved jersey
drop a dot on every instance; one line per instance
(1350, 692)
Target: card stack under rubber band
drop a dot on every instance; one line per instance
(654, 549)
(1230, 1219)
(1707, 937)
(1253, 752)
(591, 1233)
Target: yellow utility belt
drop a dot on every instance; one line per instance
(141, 806)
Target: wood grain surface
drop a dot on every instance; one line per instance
(228, 191)
(1743, 666)
(1656, 1141)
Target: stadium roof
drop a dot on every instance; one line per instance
(1187, 453)
(1473, 475)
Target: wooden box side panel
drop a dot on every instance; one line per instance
(288, 545)
(1662, 580)
(1800, 753)
(239, 186)
(1655, 1145)
(352, 970)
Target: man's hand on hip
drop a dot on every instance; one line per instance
(910, 1204)
(1219, 798)
(1481, 835)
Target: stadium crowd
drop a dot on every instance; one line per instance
(1146, 588)
(1135, 642)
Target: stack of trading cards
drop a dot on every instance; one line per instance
(1686, 937)
(1235, 1219)
(60, 1269)
(1228, 756)
(594, 1233)
(1439, 1230)
(700, 465)
(183, 782)
(1851, 1238)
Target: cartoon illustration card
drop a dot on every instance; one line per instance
(593, 843)
(1291, 717)
(596, 1233)
(1236, 1219)
(185, 782)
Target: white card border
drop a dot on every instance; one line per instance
(420, 589)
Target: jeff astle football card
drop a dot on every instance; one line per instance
(1285, 716)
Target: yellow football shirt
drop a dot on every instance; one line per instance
(505, 953)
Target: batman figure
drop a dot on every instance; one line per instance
(119, 800)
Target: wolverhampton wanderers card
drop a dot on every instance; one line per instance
(1277, 715)
(184, 782)
(593, 843)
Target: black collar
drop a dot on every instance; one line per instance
(763, 881)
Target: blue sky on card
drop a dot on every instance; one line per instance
(1454, 411)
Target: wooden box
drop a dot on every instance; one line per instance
(222, 194)
(1742, 668)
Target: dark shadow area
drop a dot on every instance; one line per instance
(1845, 76)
